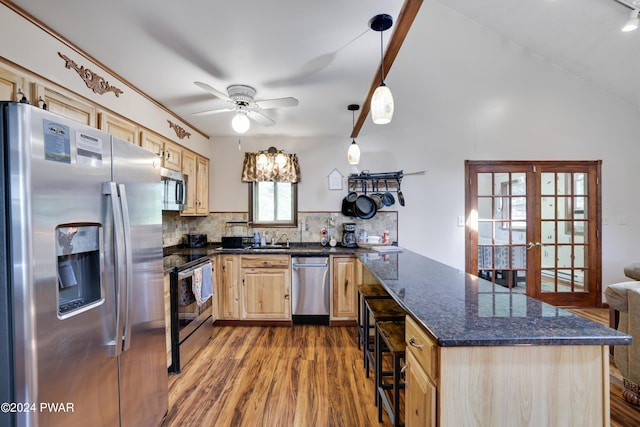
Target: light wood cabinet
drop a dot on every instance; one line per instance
(169, 152)
(420, 396)
(66, 104)
(344, 288)
(10, 83)
(522, 385)
(266, 287)
(228, 284)
(196, 168)
(118, 127)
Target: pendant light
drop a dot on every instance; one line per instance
(353, 155)
(382, 100)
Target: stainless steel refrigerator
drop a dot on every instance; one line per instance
(82, 340)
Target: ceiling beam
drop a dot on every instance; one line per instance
(406, 16)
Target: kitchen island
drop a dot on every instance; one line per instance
(481, 355)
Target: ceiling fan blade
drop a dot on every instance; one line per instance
(216, 111)
(266, 104)
(214, 92)
(260, 118)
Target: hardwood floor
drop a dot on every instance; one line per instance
(275, 376)
(299, 376)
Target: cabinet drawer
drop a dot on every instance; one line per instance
(265, 261)
(423, 348)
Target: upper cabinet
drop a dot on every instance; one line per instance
(10, 83)
(118, 127)
(196, 168)
(169, 152)
(64, 103)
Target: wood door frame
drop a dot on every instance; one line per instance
(533, 169)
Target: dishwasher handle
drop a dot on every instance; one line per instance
(319, 265)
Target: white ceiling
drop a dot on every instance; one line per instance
(320, 52)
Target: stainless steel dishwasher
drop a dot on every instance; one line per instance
(310, 290)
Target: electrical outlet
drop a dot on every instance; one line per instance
(460, 221)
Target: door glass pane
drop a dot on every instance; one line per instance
(565, 235)
(548, 233)
(485, 208)
(563, 184)
(485, 230)
(502, 257)
(485, 256)
(502, 233)
(548, 208)
(579, 256)
(580, 184)
(548, 183)
(564, 256)
(484, 184)
(565, 280)
(518, 236)
(564, 208)
(548, 281)
(519, 258)
(501, 185)
(548, 256)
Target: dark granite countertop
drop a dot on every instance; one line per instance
(295, 249)
(459, 309)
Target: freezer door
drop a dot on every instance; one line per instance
(143, 368)
(63, 365)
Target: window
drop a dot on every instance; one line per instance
(273, 203)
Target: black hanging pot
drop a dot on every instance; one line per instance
(348, 207)
(365, 207)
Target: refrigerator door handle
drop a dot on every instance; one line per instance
(110, 189)
(129, 266)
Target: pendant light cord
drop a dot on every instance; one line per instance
(381, 58)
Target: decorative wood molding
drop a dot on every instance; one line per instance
(180, 131)
(93, 81)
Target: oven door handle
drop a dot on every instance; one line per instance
(189, 271)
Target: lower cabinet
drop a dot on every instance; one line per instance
(228, 279)
(514, 386)
(254, 287)
(344, 287)
(266, 287)
(420, 395)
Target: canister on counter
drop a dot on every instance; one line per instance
(256, 238)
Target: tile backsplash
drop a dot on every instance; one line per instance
(310, 224)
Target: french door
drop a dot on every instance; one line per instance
(534, 228)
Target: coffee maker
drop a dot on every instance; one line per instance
(349, 235)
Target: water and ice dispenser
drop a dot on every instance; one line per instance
(78, 251)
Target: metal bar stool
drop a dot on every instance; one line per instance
(378, 310)
(389, 340)
(374, 291)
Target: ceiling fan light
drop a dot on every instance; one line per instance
(633, 21)
(382, 105)
(240, 122)
(353, 155)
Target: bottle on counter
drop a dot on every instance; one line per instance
(385, 236)
(256, 238)
(263, 242)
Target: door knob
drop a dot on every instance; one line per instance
(532, 245)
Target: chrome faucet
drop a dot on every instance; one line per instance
(281, 236)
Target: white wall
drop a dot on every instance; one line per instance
(463, 92)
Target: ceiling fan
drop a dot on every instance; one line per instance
(242, 98)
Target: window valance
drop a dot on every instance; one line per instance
(270, 165)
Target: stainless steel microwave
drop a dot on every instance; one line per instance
(174, 190)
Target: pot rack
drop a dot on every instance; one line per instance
(366, 181)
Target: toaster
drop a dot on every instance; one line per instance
(196, 240)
